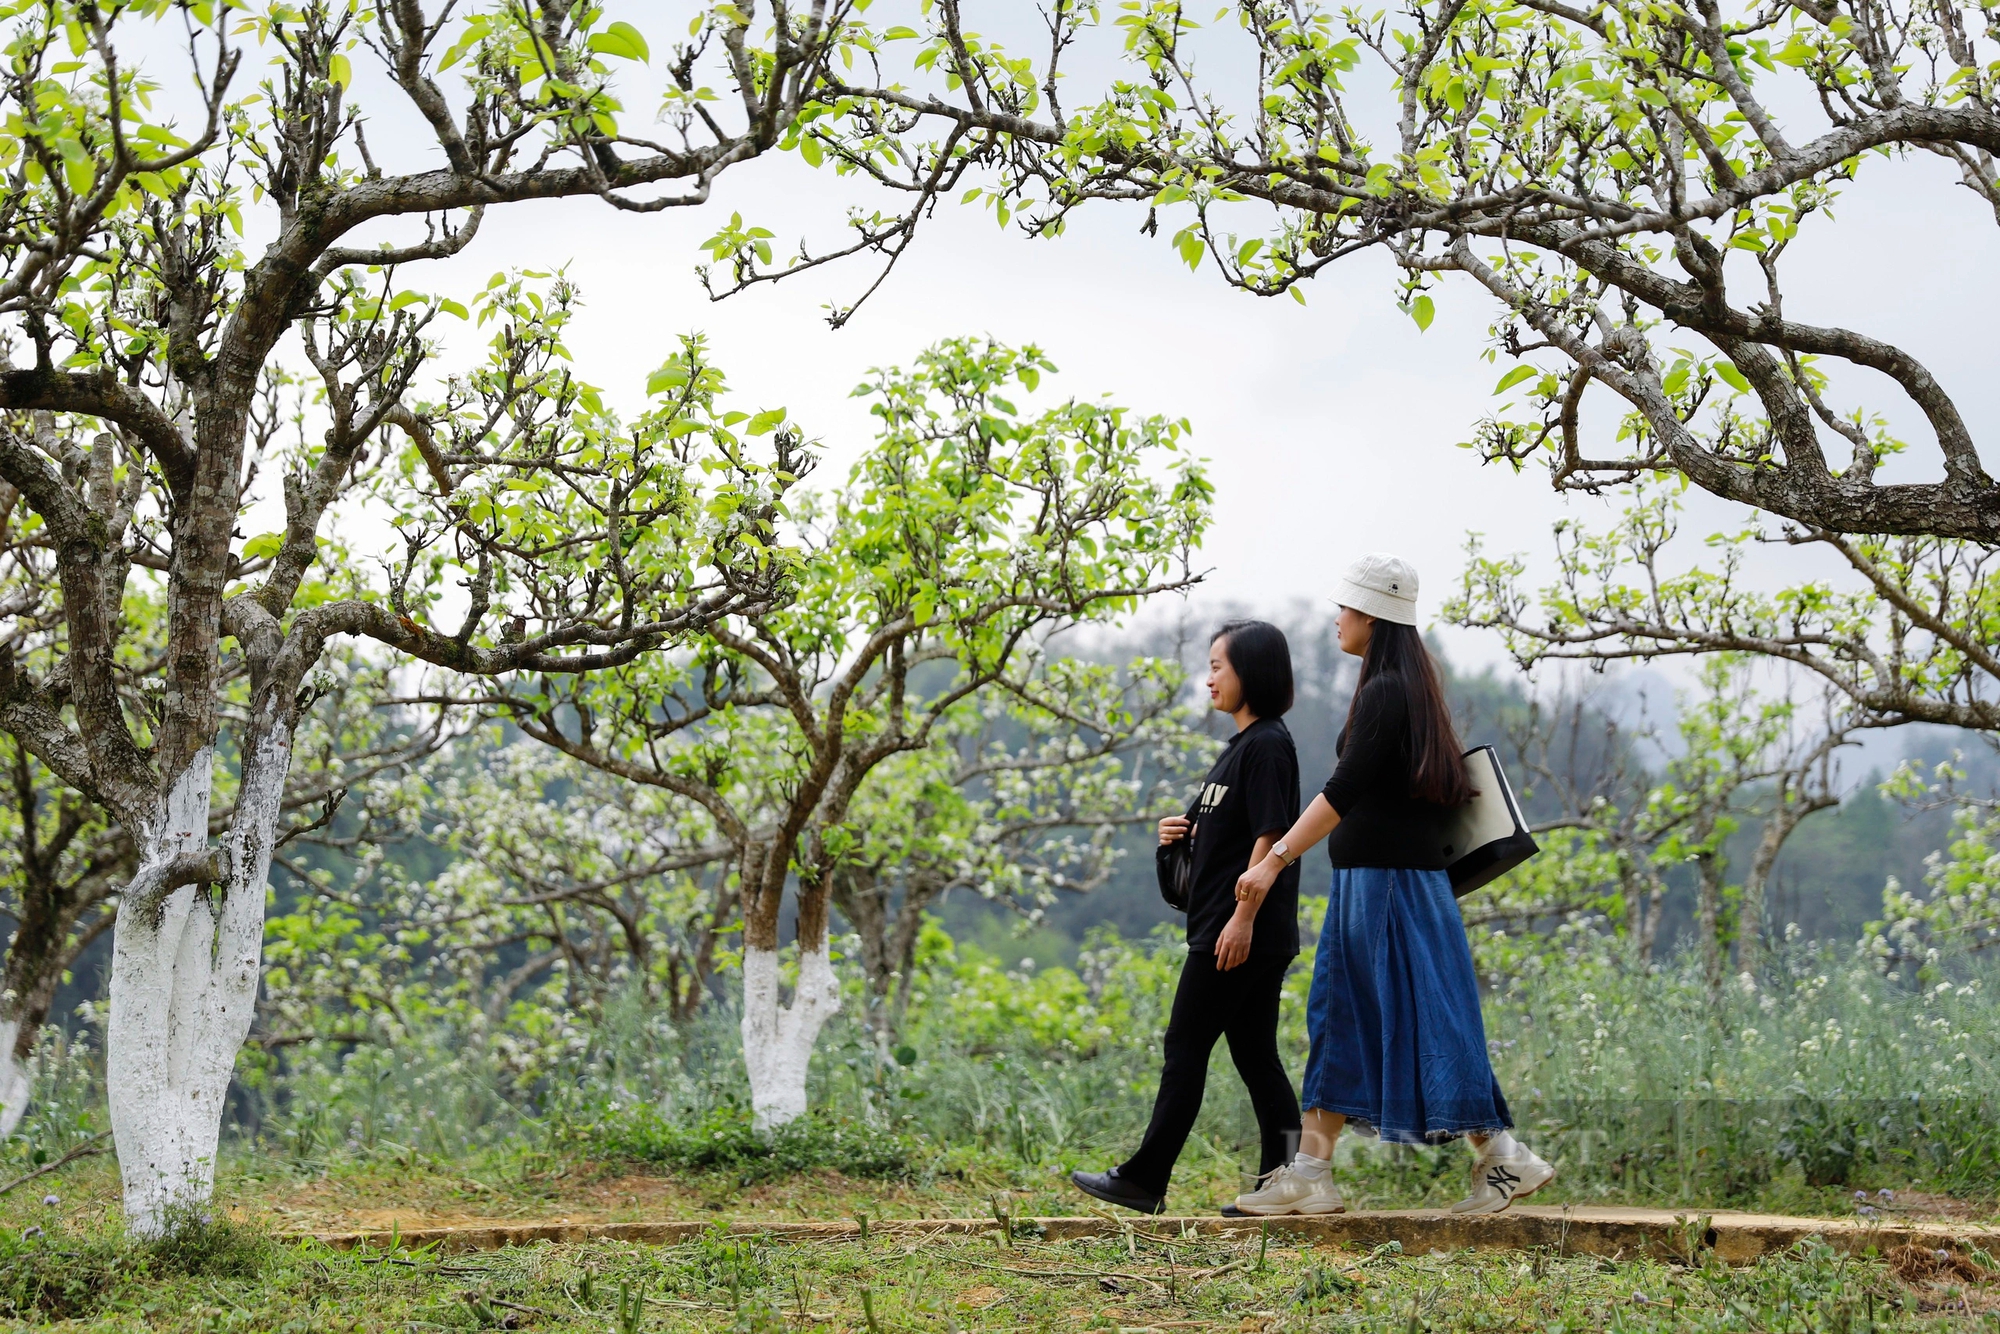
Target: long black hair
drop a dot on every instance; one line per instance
(1262, 660)
(1437, 766)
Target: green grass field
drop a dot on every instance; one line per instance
(229, 1277)
(1828, 1082)
(66, 1265)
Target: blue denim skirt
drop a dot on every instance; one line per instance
(1398, 1044)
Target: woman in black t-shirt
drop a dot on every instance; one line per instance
(1238, 950)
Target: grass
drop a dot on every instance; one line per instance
(1793, 1097)
(67, 1265)
(222, 1276)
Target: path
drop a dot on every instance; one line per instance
(1736, 1238)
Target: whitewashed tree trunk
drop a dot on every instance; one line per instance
(778, 1039)
(184, 973)
(14, 1079)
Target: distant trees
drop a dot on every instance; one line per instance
(1018, 800)
(1956, 912)
(502, 892)
(1627, 811)
(65, 866)
(898, 725)
(973, 528)
(511, 894)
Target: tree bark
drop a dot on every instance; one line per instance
(1709, 867)
(16, 1082)
(46, 940)
(778, 1040)
(1750, 917)
(184, 975)
(1645, 899)
(888, 943)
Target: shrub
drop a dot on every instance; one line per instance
(198, 1245)
(725, 1142)
(55, 1277)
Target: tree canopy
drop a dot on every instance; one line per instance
(1614, 177)
(150, 397)
(976, 525)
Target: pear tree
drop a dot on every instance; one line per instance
(976, 525)
(1622, 184)
(1020, 800)
(535, 530)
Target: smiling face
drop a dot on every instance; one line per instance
(1225, 691)
(1355, 628)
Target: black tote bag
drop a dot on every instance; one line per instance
(1173, 864)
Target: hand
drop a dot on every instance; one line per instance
(1173, 829)
(1233, 945)
(1255, 883)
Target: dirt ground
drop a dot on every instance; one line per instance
(420, 1192)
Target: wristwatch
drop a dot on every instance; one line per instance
(1282, 853)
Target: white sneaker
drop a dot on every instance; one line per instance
(1499, 1181)
(1286, 1192)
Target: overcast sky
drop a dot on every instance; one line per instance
(1331, 429)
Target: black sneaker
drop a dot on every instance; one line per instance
(1114, 1189)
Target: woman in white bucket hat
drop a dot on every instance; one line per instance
(1398, 1044)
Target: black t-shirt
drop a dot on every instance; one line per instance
(1381, 824)
(1252, 790)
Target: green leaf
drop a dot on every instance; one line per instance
(622, 40)
(263, 545)
(1733, 377)
(81, 174)
(1514, 377)
(1423, 312)
(340, 70)
(1191, 247)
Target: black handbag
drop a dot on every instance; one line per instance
(1173, 863)
(1486, 837)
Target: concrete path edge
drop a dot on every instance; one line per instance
(1664, 1234)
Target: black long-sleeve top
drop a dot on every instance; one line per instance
(1381, 824)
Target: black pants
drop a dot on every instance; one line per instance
(1241, 1004)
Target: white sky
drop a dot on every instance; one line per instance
(1330, 429)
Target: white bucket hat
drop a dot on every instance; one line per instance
(1382, 586)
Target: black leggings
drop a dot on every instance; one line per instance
(1242, 1004)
